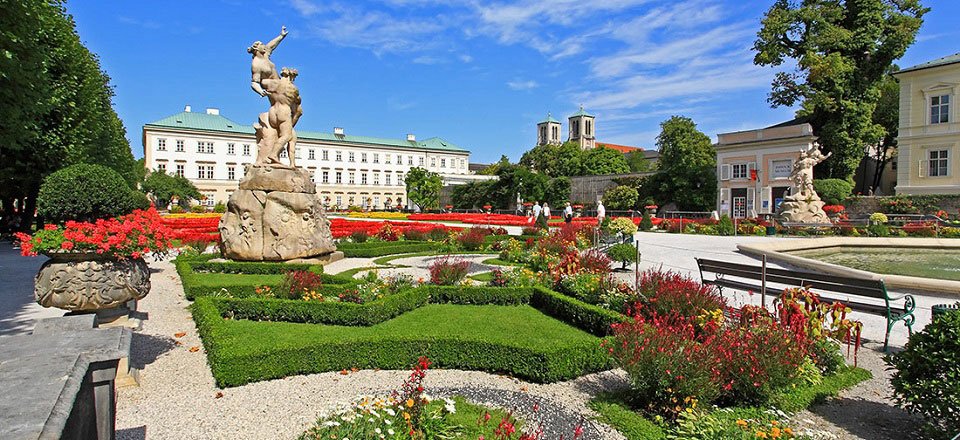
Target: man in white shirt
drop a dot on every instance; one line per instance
(601, 212)
(536, 211)
(568, 213)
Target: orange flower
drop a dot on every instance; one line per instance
(775, 432)
(409, 403)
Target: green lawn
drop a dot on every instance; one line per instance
(519, 326)
(232, 279)
(483, 277)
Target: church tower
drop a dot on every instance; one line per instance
(548, 131)
(582, 130)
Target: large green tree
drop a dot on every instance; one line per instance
(569, 160)
(423, 188)
(686, 172)
(604, 161)
(638, 162)
(887, 115)
(842, 50)
(163, 187)
(57, 104)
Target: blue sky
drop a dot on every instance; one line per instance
(479, 74)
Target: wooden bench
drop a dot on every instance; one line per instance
(752, 278)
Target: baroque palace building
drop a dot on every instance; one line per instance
(212, 151)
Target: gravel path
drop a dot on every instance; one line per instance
(177, 398)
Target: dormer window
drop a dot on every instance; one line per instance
(940, 109)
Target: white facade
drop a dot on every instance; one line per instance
(212, 152)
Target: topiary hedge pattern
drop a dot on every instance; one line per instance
(380, 248)
(87, 192)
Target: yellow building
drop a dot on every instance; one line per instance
(929, 134)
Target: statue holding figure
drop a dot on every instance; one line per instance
(275, 127)
(804, 205)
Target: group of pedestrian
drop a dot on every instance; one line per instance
(540, 214)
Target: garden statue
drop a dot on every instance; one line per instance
(804, 205)
(276, 213)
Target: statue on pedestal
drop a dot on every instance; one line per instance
(276, 213)
(804, 205)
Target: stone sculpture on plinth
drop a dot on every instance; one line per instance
(804, 205)
(275, 214)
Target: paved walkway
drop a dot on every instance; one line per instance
(18, 308)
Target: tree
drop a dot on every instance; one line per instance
(621, 197)
(555, 160)
(686, 174)
(638, 162)
(423, 188)
(558, 191)
(57, 105)
(842, 49)
(164, 186)
(604, 161)
(887, 115)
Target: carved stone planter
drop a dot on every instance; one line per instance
(82, 282)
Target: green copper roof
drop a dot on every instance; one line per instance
(549, 119)
(581, 113)
(951, 59)
(207, 122)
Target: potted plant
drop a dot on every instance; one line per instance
(487, 208)
(577, 210)
(97, 266)
(651, 208)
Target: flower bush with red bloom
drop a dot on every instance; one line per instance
(921, 229)
(447, 271)
(595, 261)
(298, 283)
(133, 235)
(472, 239)
(834, 209)
(388, 233)
(668, 291)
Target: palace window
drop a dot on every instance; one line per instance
(376, 178)
(386, 159)
(363, 178)
(339, 156)
(421, 161)
(363, 157)
(386, 179)
(205, 171)
(399, 178)
(231, 149)
(940, 110)
(350, 157)
(339, 199)
(325, 155)
(339, 179)
(376, 201)
(204, 147)
(376, 157)
(351, 179)
(246, 149)
(231, 173)
(443, 163)
(433, 162)
(179, 170)
(939, 163)
(739, 171)
(180, 145)
(409, 160)
(310, 154)
(161, 144)
(162, 168)
(325, 177)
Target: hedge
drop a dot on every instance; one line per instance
(252, 267)
(588, 317)
(233, 365)
(379, 249)
(327, 312)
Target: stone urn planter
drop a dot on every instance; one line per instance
(91, 282)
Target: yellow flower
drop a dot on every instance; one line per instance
(406, 415)
(409, 403)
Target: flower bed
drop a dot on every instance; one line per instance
(341, 228)
(130, 236)
(500, 219)
(194, 228)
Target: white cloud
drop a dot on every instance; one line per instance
(522, 84)
(305, 7)
(465, 58)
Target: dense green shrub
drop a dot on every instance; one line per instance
(833, 191)
(503, 296)
(624, 253)
(927, 380)
(725, 226)
(322, 312)
(878, 230)
(646, 223)
(86, 192)
(590, 318)
(220, 208)
(621, 197)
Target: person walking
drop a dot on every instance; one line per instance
(536, 213)
(568, 213)
(601, 212)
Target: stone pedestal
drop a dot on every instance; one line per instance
(275, 215)
(90, 282)
(803, 209)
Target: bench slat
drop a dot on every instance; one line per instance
(853, 286)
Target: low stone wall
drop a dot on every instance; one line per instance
(925, 204)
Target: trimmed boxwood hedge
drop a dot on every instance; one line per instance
(327, 312)
(588, 317)
(381, 248)
(242, 283)
(233, 365)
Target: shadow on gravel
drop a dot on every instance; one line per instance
(145, 349)
(138, 433)
(868, 419)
